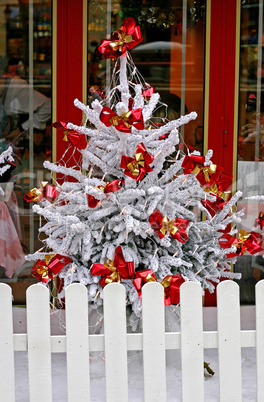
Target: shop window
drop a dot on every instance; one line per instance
(251, 137)
(170, 57)
(25, 106)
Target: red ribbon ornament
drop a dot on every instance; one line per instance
(143, 277)
(113, 271)
(47, 270)
(76, 139)
(45, 190)
(125, 122)
(214, 207)
(162, 225)
(260, 220)
(206, 175)
(172, 285)
(125, 38)
(111, 187)
(138, 166)
(148, 91)
(250, 242)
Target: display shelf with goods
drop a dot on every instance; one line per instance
(130, 210)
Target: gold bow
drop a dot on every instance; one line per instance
(43, 271)
(118, 45)
(36, 193)
(166, 282)
(115, 276)
(242, 237)
(214, 189)
(135, 166)
(115, 120)
(206, 170)
(65, 136)
(150, 278)
(168, 226)
(48, 257)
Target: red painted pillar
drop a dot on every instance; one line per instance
(68, 77)
(222, 81)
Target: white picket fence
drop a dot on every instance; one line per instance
(115, 342)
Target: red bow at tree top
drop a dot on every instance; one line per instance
(206, 175)
(113, 271)
(45, 270)
(171, 284)
(111, 187)
(162, 225)
(76, 139)
(125, 122)
(127, 37)
(260, 221)
(46, 190)
(250, 242)
(138, 166)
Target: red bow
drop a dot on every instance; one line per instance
(172, 285)
(113, 271)
(162, 225)
(250, 242)
(138, 166)
(214, 207)
(111, 187)
(260, 220)
(46, 190)
(125, 122)
(127, 37)
(206, 175)
(76, 139)
(148, 92)
(143, 277)
(47, 270)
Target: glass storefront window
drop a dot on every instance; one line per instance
(170, 57)
(251, 136)
(25, 107)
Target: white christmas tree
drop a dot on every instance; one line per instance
(134, 213)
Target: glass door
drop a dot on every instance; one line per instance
(250, 166)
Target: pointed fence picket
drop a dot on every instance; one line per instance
(115, 342)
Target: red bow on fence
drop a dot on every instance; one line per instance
(138, 166)
(143, 277)
(113, 271)
(171, 284)
(127, 37)
(162, 225)
(125, 122)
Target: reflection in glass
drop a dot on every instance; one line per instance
(17, 31)
(250, 171)
(170, 58)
